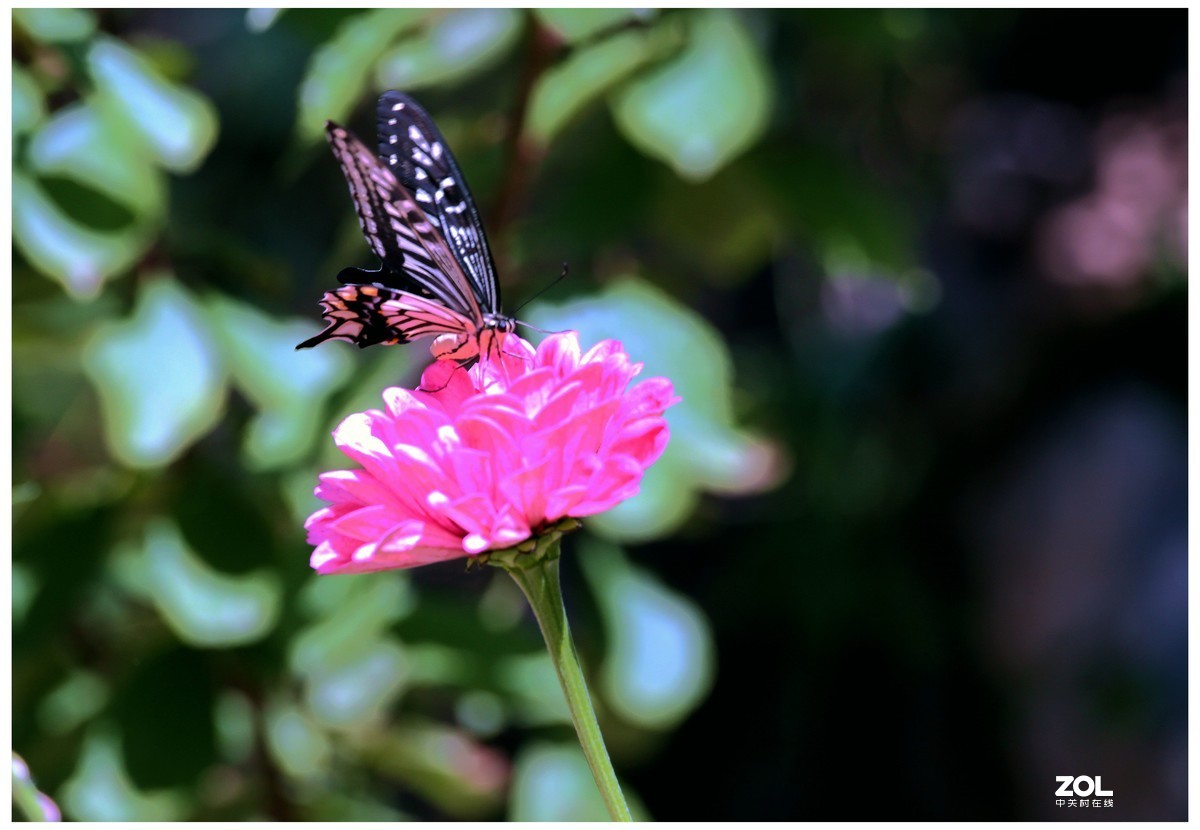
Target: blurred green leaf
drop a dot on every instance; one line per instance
(336, 806)
(56, 25)
(296, 488)
(502, 606)
(76, 143)
(287, 386)
(356, 610)
(28, 106)
(573, 25)
(566, 88)
(357, 688)
(233, 717)
(261, 19)
(352, 669)
(433, 664)
(464, 778)
(178, 125)
(552, 782)
(660, 660)
(78, 257)
(296, 741)
(328, 597)
(481, 712)
(339, 70)
(705, 107)
(455, 45)
(100, 789)
(23, 587)
(706, 450)
(159, 378)
(76, 700)
(204, 607)
(531, 680)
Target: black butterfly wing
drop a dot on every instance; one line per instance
(413, 147)
(415, 255)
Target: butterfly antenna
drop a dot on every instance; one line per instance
(561, 277)
(534, 328)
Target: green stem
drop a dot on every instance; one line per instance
(538, 578)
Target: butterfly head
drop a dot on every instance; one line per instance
(499, 322)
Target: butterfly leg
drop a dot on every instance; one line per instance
(497, 345)
(449, 377)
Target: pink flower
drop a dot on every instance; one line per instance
(490, 457)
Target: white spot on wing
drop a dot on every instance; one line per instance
(397, 107)
(418, 137)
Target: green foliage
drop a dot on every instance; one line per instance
(80, 698)
(339, 70)
(707, 451)
(551, 782)
(704, 107)
(56, 25)
(284, 385)
(661, 660)
(585, 75)
(575, 25)
(129, 125)
(174, 223)
(76, 143)
(176, 125)
(78, 256)
(203, 607)
(100, 789)
(159, 379)
(28, 108)
(452, 47)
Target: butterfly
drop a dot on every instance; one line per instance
(436, 276)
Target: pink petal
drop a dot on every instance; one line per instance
(525, 491)
(473, 460)
(603, 350)
(651, 397)
(644, 440)
(384, 561)
(559, 352)
(366, 523)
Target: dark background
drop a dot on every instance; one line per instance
(966, 571)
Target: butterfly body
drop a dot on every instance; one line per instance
(436, 276)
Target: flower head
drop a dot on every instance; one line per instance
(492, 456)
